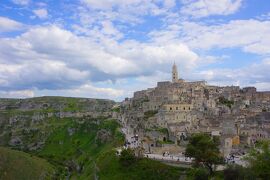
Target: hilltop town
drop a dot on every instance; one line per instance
(164, 117)
(78, 136)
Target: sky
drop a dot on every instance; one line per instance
(111, 48)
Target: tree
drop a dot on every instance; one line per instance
(236, 172)
(198, 174)
(204, 150)
(127, 157)
(259, 160)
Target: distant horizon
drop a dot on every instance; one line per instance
(81, 97)
(110, 49)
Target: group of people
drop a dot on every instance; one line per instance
(232, 159)
(167, 156)
(132, 142)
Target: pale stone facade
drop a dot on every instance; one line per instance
(184, 108)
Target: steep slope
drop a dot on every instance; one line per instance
(26, 123)
(75, 136)
(109, 168)
(74, 147)
(19, 165)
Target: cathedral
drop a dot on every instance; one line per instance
(175, 74)
(184, 108)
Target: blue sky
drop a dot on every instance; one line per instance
(111, 48)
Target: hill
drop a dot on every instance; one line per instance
(19, 165)
(76, 136)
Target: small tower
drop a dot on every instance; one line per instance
(174, 73)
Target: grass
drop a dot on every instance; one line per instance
(116, 109)
(166, 142)
(65, 150)
(79, 149)
(71, 149)
(159, 129)
(149, 114)
(110, 168)
(19, 165)
(225, 101)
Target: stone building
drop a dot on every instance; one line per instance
(184, 108)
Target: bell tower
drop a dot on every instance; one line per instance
(174, 73)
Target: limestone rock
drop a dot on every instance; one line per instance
(103, 136)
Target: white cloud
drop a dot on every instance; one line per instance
(257, 75)
(21, 2)
(86, 90)
(208, 59)
(204, 8)
(52, 58)
(129, 12)
(17, 94)
(7, 24)
(40, 74)
(109, 4)
(249, 35)
(41, 13)
(109, 29)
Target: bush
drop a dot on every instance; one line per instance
(232, 172)
(149, 114)
(127, 157)
(225, 101)
(198, 174)
(116, 109)
(205, 151)
(259, 160)
(235, 172)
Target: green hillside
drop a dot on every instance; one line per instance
(86, 154)
(19, 165)
(109, 168)
(74, 147)
(75, 136)
(84, 149)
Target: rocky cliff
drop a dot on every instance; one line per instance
(26, 123)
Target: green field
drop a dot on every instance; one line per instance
(81, 155)
(110, 169)
(68, 147)
(19, 165)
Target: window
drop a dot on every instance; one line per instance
(170, 108)
(184, 108)
(176, 108)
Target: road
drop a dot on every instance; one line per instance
(134, 142)
(175, 158)
(131, 140)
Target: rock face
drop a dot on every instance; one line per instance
(57, 104)
(103, 136)
(16, 141)
(183, 108)
(26, 123)
(71, 131)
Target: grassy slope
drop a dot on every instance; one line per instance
(110, 168)
(65, 151)
(98, 159)
(80, 148)
(20, 165)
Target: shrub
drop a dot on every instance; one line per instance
(198, 174)
(127, 157)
